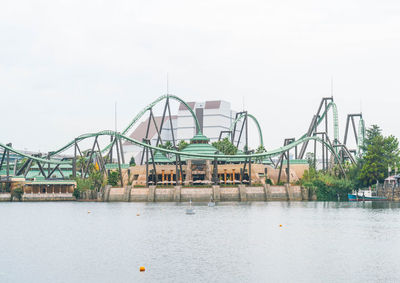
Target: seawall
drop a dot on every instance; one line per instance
(178, 194)
(182, 194)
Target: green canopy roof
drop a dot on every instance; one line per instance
(159, 157)
(198, 144)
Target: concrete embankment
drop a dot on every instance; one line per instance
(40, 197)
(179, 194)
(182, 194)
(390, 192)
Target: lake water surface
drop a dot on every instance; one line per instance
(232, 242)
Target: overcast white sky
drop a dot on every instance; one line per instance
(64, 63)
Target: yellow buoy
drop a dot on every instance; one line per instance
(142, 269)
(280, 225)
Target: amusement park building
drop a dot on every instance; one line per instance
(214, 117)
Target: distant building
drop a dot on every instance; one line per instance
(214, 116)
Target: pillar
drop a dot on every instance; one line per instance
(242, 193)
(151, 195)
(177, 193)
(225, 176)
(216, 193)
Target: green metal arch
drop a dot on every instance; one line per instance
(151, 105)
(255, 121)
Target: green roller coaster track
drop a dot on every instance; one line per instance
(123, 136)
(119, 135)
(335, 121)
(255, 121)
(133, 122)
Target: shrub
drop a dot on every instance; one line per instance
(326, 186)
(113, 178)
(77, 193)
(17, 193)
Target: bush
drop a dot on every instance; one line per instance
(326, 186)
(77, 193)
(268, 181)
(17, 193)
(113, 178)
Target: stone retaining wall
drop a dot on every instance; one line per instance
(178, 193)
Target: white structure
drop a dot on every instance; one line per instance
(214, 117)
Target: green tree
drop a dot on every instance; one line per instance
(94, 181)
(113, 178)
(132, 162)
(311, 160)
(225, 146)
(97, 179)
(182, 144)
(167, 145)
(379, 153)
(260, 149)
(80, 164)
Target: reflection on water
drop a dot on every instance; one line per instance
(232, 242)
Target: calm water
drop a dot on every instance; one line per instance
(232, 242)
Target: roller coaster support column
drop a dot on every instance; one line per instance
(350, 117)
(250, 171)
(118, 141)
(154, 171)
(178, 167)
(110, 155)
(326, 134)
(244, 124)
(151, 118)
(101, 160)
(4, 156)
(311, 129)
(74, 159)
(7, 152)
(315, 121)
(147, 164)
(122, 151)
(336, 156)
(247, 139)
(90, 158)
(162, 121)
(285, 155)
(215, 179)
(288, 167)
(48, 165)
